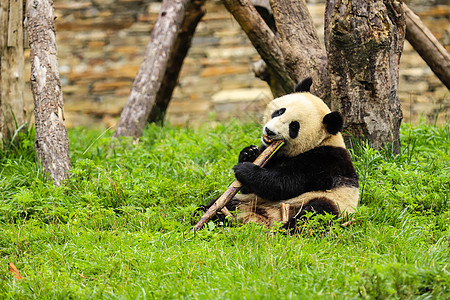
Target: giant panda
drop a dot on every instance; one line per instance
(312, 171)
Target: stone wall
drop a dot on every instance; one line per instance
(101, 45)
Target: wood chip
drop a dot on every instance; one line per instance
(14, 271)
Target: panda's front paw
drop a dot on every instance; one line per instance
(245, 171)
(249, 154)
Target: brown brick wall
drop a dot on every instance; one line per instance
(101, 44)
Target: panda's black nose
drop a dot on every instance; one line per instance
(269, 132)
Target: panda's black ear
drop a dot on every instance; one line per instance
(333, 122)
(304, 85)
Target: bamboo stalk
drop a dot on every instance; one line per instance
(234, 188)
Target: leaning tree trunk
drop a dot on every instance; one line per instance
(364, 41)
(12, 80)
(52, 143)
(154, 70)
(194, 12)
(428, 47)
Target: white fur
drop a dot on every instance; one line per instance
(309, 111)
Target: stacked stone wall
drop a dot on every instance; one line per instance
(101, 45)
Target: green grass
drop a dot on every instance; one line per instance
(119, 227)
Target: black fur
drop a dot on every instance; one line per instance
(304, 85)
(320, 205)
(319, 169)
(219, 216)
(278, 112)
(294, 127)
(333, 122)
(249, 154)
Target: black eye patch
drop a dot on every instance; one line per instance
(278, 112)
(294, 127)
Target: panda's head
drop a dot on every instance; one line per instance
(303, 121)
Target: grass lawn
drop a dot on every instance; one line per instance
(119, 227)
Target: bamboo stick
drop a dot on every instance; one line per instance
(232, 190)
(284, 212)
(226, 212)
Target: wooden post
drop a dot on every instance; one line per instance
(12, 81)
(52, 143)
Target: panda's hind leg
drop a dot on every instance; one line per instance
(231, 205)
(320, 205)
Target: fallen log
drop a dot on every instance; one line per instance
(234, 188)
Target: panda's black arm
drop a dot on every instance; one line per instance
(283, 177)
(272, 184)
(249, 154)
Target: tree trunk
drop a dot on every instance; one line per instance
(303, 54)
(12, 81)
(262, 38)
(153, 69)
(194, 12)
(364, 41)
(52, 143)
(428, 47)
(260, 68)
